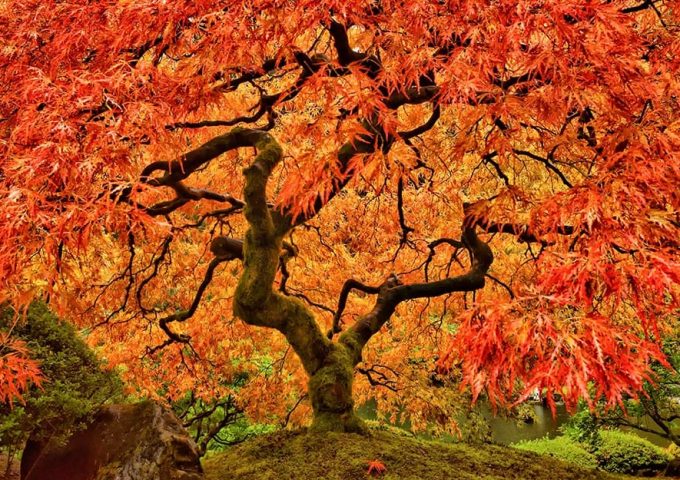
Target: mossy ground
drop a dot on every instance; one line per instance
(345, 456)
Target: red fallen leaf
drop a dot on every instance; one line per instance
(376, 467)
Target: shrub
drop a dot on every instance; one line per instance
(563, 448)
(623, 452)
(215, 424)
(583, 429)
(74, 384)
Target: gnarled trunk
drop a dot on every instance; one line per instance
(330, 365)
(330, 391)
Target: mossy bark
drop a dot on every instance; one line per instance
(330, 366)
(330, 391)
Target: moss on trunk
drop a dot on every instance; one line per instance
(330, 366)
(330, 390)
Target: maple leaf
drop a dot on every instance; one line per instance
(17, 370)
(375, 468)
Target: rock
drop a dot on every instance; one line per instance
(142, 441)
(673, 469)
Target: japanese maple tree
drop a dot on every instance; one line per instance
(394, 190)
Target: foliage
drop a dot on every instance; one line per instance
(623, 452)
(658, 411)
(287, 454)
(216, 424)
(17, 370)
(239, 432)
(564, 448)
(484, 188)
(207, 421)
(583, 428)
(74, 385)
(476, 428)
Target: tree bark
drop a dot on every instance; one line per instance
(330, 366)
(330, 390)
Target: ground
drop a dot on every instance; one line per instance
(13, 473)
(330, 456)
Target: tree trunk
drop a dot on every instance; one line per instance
(330, 365)
(330, 391)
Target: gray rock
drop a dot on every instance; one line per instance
(143, 441)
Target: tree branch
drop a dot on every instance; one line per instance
(183, 315)
(255, 300)
(521, 231)
(347, 287)
(392, 292)
(546, 161)
(431, 122)
(489, 158)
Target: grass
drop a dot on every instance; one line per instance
(288, 455)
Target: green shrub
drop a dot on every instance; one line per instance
(623, 452)
(217, 424)
(563, 448)
(583, 429)
(74, 384)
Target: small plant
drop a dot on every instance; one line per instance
(376, 468)
(74, 386)
(615, 451)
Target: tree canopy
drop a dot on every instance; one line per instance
(485, 190)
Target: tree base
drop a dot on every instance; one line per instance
(346, 422)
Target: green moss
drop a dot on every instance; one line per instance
(254, 286)
(333, 378)
(302, 332)
(381, 426)
(347, 422)
(269, 154)
(344, 456)
(351, 341)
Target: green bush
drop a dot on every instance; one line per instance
(623, 452)
(583, 429)
(563, 448)
(217, 424)
(74, 384)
